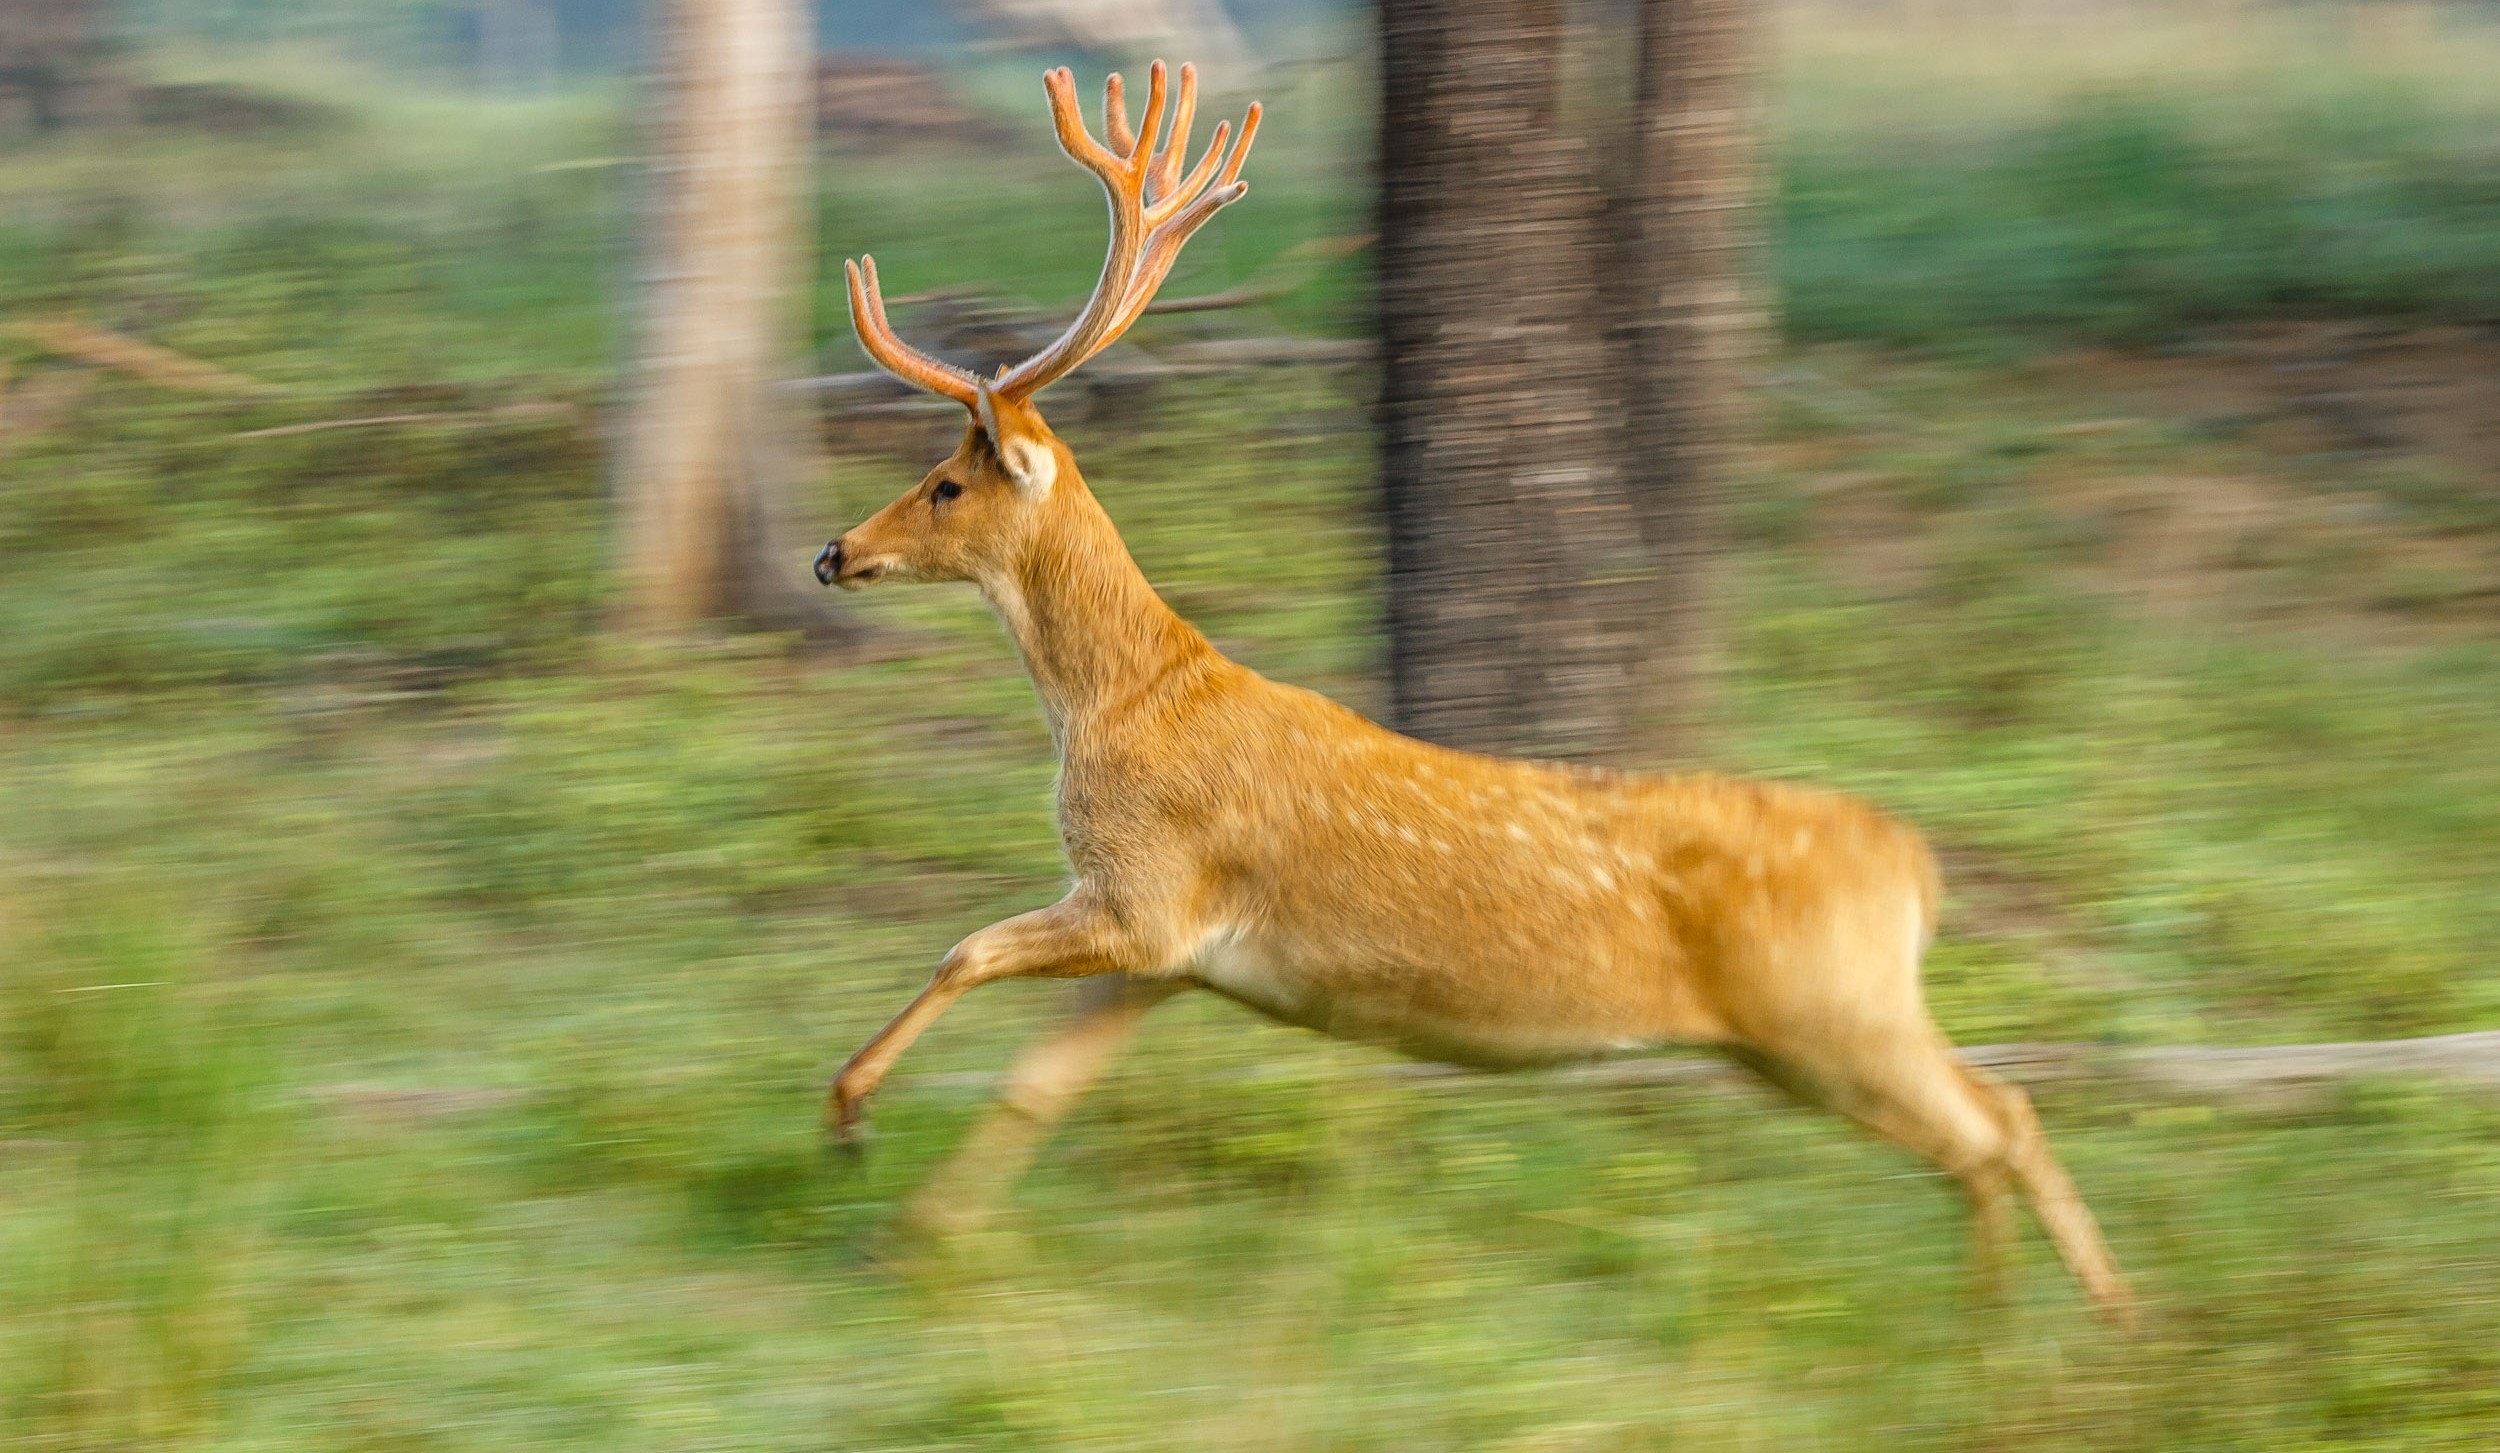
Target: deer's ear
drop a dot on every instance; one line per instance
(1023, 450)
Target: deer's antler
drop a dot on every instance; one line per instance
(892, 354)
(1154, 209)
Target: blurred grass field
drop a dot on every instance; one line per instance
(413, 1001)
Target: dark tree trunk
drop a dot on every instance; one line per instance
(1696, 327)
(1561, 362)
(1517, 576)
(713, 438)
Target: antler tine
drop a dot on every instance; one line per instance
(1163, 173)
(1150, 127)
(1081, 148)
(877, 338)
(1241, 148)
(1115, 116)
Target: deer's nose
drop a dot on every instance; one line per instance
(829, 563)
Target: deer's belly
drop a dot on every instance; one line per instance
(1416, 1012)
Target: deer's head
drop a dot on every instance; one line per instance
(981, 510)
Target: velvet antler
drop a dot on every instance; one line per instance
(1154, 209)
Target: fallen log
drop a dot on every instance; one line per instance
(868, 386)
(1228, 353)
(2264, 1076)
(2292, 1072)
(1289, 273)
(440, 419)
(868, 389)
(149, 361)
(2282, 1076)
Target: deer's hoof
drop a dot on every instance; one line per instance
(846, 1128)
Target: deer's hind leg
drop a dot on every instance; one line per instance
(1912, 1089)
(1044, 1084)
(2053, 1197)
(1912, 1096)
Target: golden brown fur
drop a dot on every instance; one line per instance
(1231, 833)
(1237, 835)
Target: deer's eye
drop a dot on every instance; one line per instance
(947, 489)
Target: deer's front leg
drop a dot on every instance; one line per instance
(1071, 939)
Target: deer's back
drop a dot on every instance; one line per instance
(1338, 875)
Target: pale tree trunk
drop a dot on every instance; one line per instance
(1562, 369)
(1516, 573)
(712, 438)
(56, 66)
(1697, 329)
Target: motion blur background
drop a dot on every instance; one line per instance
(416, 979)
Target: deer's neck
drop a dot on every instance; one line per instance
(1094, 635)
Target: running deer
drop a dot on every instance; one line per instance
(1234, 834)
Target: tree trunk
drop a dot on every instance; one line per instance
(57, 66)
(1696, 327)
(1561, 375)
(712, 438)
(1517, 577)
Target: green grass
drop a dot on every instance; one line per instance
(413, 1003)
(1952, 183)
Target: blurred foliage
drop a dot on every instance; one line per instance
(2128, 218)
(2138, 177)
(437, 35)
(413, 1003)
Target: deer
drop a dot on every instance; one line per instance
(1236, 835)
